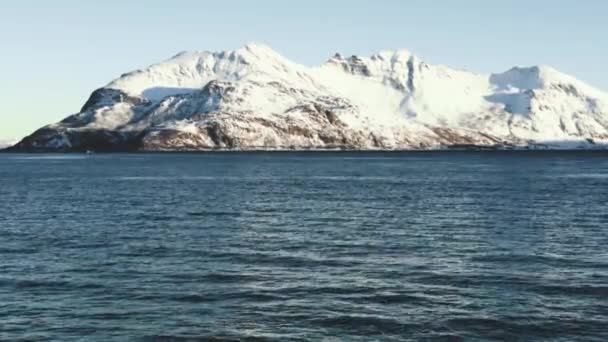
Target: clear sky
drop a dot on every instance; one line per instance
(55, 53)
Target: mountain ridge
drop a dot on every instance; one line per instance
(254, 98)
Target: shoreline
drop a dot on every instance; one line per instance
(324, 151)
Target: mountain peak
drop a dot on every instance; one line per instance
(392, 54)
(384, 55)
(540, 77)
(189, 71)
(255, 47)
(261, 53)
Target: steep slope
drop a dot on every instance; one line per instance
(253, 98)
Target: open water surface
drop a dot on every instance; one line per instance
(450, 246)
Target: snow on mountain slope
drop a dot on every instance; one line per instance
(6, 143)
(189, 71)
(407, 87)
(253, 98)
(536, 103)
(545, 104)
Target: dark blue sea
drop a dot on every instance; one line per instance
(456, 246)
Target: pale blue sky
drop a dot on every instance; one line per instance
(54, 53)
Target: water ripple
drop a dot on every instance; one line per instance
(304, 247)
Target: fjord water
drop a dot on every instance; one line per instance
(305, 246)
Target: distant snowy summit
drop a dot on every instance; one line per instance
(255, 99)
(6, 143)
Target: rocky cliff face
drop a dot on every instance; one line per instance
(253, 98)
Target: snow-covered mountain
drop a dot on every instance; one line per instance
(6, 143)
(253, 98)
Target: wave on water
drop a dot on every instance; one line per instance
(585, 175)
(50, 157)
